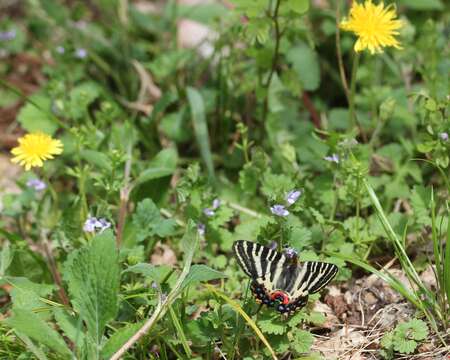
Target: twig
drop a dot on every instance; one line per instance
(312, 110)
(142, 331)
(54, 269)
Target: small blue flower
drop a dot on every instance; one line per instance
(154, 285)
(279, 210)
(60, 50)
(292, 196)
(443, 136)
(36, 184)
(333, 158)
(290, 252)
(208, 212)
(8, 35)
(216, 203)
(273, 245)
(80, 53)
(201, 228)
(93, 224)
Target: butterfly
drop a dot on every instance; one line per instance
(278, 280)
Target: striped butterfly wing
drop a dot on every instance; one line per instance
(276, 272)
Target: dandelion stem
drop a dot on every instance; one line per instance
(352, 114)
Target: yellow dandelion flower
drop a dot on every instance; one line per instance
(375, 26)
(34, 149)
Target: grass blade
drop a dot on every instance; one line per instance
(247, 318)
(200, 127)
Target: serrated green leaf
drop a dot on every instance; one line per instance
(302, 341)
(404, 346)
(92, 274)
(199, 273)
(272, 326)
(28, 323)
(70, 325)
(200, 127)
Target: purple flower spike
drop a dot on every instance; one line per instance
(80, 53)
(216, 203)
(36, 184)
(279, 210)
(290, 252)
(292, 196)
(333, 158)
(208, 212)
(443, 136)
(201, 228)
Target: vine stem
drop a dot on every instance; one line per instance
(124, 196)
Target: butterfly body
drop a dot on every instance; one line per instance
(279, 281)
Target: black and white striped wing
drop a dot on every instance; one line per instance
(276, 272)
(309, 278)
(257, 260)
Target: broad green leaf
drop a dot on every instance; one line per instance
(27, 294)
(28, 323)
(119, 338)
(156, 273)
(200, 127)
(272, 326)
(81, 97)
(199, 273)
(305, 62)
(162, 165)
(92, 274)
(36, 115)
(299, 6)
(97, 158)
(70, 325)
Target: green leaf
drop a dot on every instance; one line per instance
(200, 127)
(97, 158)
(147, 221)
(162, 165)
(36, 115)
(81, 97)
(92, 274)
(199, 273)
(70, 325)
(28, 323)
(156, 273)
(405, 346)
(272, 325)
(299, 6)
(422, 4)
(305, 62)
(119, 338)
(302, 341)
(27, 294)
(6, 257)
